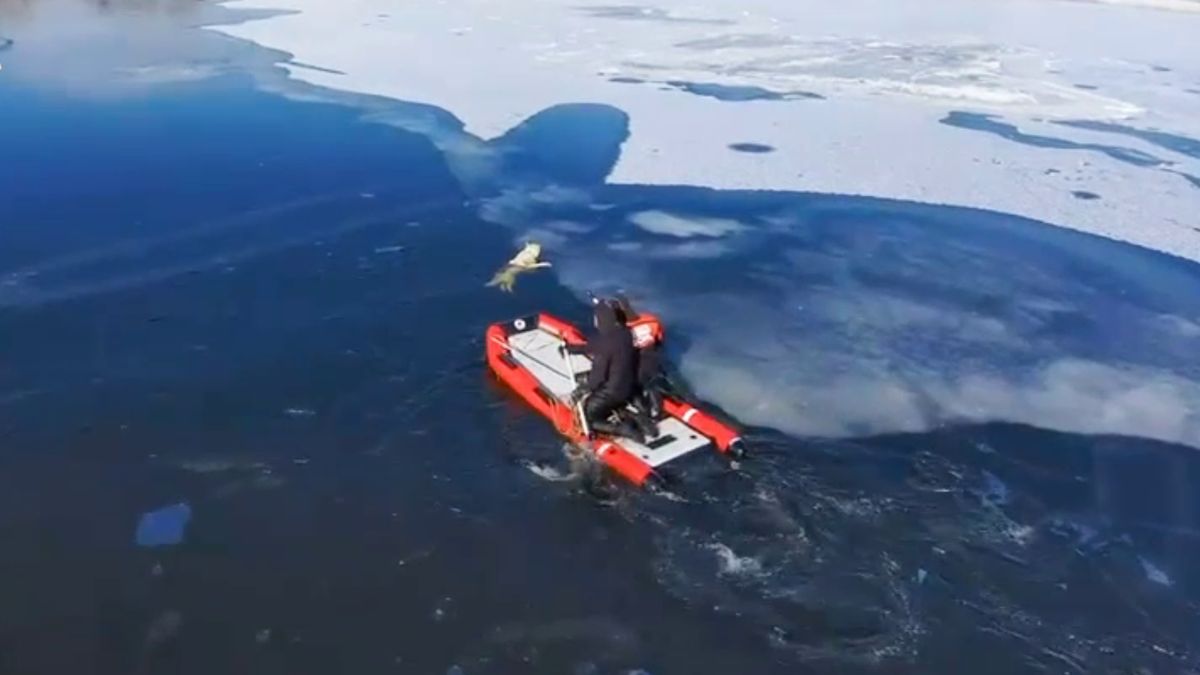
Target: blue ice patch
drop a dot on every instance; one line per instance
(164, 527)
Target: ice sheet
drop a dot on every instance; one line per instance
(859, 90)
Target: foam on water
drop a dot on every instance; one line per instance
(548, 472)
(732, 564)
(670, 496)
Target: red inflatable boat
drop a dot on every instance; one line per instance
(525, 354)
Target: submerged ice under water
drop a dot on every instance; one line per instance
(364, 499)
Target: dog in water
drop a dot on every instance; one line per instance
(524, 261)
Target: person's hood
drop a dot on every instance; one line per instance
(626, 308)
(606, 318)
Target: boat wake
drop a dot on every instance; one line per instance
(851, 554)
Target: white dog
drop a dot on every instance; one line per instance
(525, 260)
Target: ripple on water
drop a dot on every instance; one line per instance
(825, 578)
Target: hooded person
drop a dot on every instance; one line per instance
(612, 380)
(647, 333)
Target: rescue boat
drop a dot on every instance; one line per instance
(526, 355)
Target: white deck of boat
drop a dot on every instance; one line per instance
(538, 352)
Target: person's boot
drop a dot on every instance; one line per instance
(604, 427)
(654, 403)
(630, 430)
(621, 428)
(644, 422)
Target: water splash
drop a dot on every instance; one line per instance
(549, 473)
(733, 564)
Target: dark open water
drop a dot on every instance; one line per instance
(273, 310)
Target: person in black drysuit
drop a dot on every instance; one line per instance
(651, 378)
(613, 377)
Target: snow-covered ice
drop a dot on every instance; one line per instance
(857, 91)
